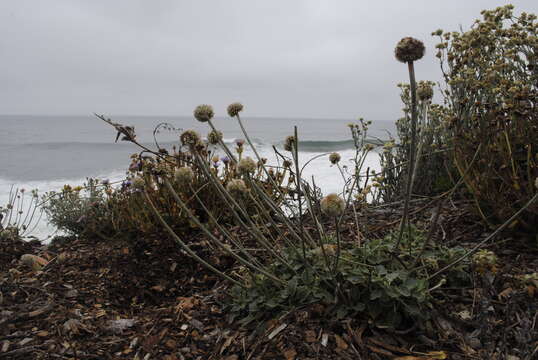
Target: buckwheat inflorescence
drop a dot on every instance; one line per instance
(289, 143)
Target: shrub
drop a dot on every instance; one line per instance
(432, 170)
(78, 210)
(491, 73)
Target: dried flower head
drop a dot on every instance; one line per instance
(286, 164)
(289, 143)
(214, 137)
(203, 113)
(409, 49)
(190, 138)
(424, 90)
(246, 166)
(332, 205)
(334, 158)
(234, 109)
(215, 159)
(237, 188)
(184, 175)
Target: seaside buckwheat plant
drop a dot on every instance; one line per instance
(491, 75)
(289, 143)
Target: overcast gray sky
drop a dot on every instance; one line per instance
(285, 58)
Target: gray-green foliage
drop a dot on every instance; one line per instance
(70, 209)
(432, 165)
(369, 283)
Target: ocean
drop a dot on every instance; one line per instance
(47, 152)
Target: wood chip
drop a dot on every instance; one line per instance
(276, 331)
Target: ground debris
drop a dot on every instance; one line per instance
(97, 300)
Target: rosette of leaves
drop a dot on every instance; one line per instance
(371, 284)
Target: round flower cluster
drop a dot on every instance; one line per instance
(184, 175)
(246, 166)
(424, 90)
(289, 143)
(236, 188)
(214, 137)
(203, 113)
(332, 205)
(334, 158)
(409, 49)
(234, 109)
(190, 138)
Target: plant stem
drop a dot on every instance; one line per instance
(409, 185)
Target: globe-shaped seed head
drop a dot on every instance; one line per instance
(246, 166)
(234, 109)
(409, 49)
(237, 188)
(190, 138)
(334, 158)
(184, 175)
(289, 143)
(203, 113)
(214, 137)
(332, 205)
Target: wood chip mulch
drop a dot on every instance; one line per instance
(148, 300)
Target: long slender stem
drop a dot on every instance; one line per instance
(409, 185)
(214, 239)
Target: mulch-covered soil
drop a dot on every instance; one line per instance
(146, 299)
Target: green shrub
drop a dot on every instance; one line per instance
(78, 210)
(432, 171)
(491, 72)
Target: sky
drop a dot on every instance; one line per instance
(280, 58)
